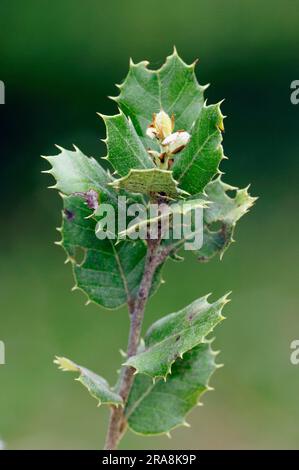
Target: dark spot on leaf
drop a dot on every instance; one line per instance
(91, 198)
(191, 316)
(177, 338)
(69, 215)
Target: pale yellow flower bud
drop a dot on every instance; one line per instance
(163, 124)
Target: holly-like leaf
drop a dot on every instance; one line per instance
(158, 407)
(75, 172)
(109, 274)
(214, 242)
(175, 334)
(97, 386)
(173, 88)
(125, 149)
(166, 215)
(149, 181)
(224, 210)
(196, 165)
(223, 207)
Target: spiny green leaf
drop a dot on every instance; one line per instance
(166, 212)
(196, 165)
(97, 386)
(149, 181)
(110, 274)
(223, 207)
(194, 227)
(125, 149)
(173, 88)
(156, 408)
(74, 172)
(175, 334)
(225, 210)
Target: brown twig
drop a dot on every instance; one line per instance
(117, 423)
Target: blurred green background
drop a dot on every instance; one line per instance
(59, 61)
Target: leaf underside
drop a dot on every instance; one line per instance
(175, 334)
(97, 386)
(156, 408)
(149, 181)
(224, 210)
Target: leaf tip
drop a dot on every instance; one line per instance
(103, 116)
(194, 63)
(186, 424)
(219, 366)
(65, 364)
(59, 147)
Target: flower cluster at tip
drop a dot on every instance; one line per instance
(171, 143)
